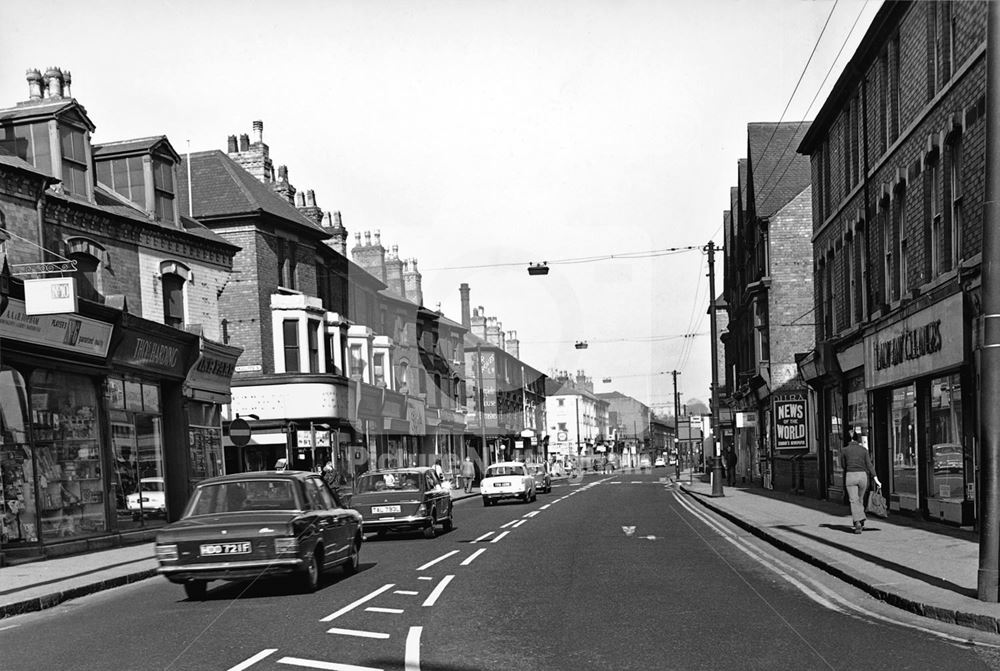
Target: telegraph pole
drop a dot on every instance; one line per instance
(989, 362)
(716, 457)
(677, 416)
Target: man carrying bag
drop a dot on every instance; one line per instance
(857, 465)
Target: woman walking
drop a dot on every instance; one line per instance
(857, 465)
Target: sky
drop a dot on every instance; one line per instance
(481, 136)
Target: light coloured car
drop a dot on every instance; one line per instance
(659, 463)
(644, 463)
(151, 499)
(507, 480)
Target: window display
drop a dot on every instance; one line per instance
(902, 441)
(67, 455)
(137, 451)
(947, 456)
(834, 436)
(18, 518)
(205, 441)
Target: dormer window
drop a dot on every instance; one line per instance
(74, 160)
(163, 190)
(141, 171)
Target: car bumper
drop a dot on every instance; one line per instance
(383, 524)
(498, 494)
(232, 570)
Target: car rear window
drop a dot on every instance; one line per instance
(379, 482)
(235, 496)
(494, 471)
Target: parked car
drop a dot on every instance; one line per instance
(403, 499)
(644, 463)
(540, 472)
(507, 480)
(149, 500)
(660, 463)
(251, 525)
(947, 457)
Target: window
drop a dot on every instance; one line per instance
(290, 337)
(313, 336)
(357, 362)
(825, 177)
(953, 224)
(888, 250)
(935, 224)
(899, 230)
(562, 425)
(86, 275)
(560, 402)
(74, 160)
(286, 263)
(378, 366)
(850, 299)
(163, 190)
(173, 300)
(889, 92)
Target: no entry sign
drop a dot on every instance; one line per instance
(239, 432)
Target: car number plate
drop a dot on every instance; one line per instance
(213, 549)
(379, 510)
(501, 484)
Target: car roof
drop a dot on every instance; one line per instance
(402, 469)
(507, 463)
(258, 475)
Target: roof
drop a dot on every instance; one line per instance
(18, 163)
(49, 107)
(221, 188)
(778, 173)
(145, 145)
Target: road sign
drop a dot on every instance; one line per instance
(239, 432)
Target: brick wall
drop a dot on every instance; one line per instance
(245, 302)
(790, 299)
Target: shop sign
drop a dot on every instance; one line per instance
(66, 332)
(143, 351)
(789, 424)
(928, 341)
(214, 368)
(50, 295)
(369, 401)
(299, 399)
(746, 420)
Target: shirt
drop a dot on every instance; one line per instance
(855, 458)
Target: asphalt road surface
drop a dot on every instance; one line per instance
(614, 572)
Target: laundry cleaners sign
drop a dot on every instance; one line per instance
(790, 424)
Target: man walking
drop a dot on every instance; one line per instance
(857, 465)
(731, 460)
(468, 474)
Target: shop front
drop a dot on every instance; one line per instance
(923, 403)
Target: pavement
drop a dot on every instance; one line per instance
(921, 567)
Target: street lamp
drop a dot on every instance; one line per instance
(581, 344)
(538, 268)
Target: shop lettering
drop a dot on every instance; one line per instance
(215, 367)
(908, 345)
(155, 353)
(791, 411)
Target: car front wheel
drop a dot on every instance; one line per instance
(449, 522)
(354, 560)
(195, 589)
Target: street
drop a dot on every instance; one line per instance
(612, 572)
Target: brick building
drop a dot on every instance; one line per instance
(898, 165)
(767, 294)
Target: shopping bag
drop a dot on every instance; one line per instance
(876, 503)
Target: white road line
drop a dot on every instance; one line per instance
(509, 524)
(499, 536)
(484, 536)
(533, 512)
(406, 592)
(518, 523)
(324, 666)
(545, 506)
(412, 655)
(376, 609)
(357, 632)
(424, 577)
(437, 590)
(473, 556)
(352, 606)
(636, 482)
(247, 663)
(435, 561)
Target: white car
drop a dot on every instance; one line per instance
(151, 499)
(507, 480)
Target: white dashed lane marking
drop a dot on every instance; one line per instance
(351, 606)
(473, 556)
(323, 666)
(499, 536)
(436, 592)
(439, 559)
(357, 632)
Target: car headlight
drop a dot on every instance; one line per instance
(167, 552)
(286, 545)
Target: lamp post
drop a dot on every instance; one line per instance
(716, 457)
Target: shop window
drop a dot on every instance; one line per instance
(835, 435)
(19, 513)
(902, 442)
(950, 472)
(204, 441)
(67, 455)
(137, 447)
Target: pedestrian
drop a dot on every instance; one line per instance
(731, 460)
(439, 470)
(468, 473)
(857, 465)
(330, 475)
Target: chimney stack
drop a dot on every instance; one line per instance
(53, 83)
(513, 345)
(333, 226)
(412, 281)
(463, 291)
(244, 142)
(67, 80)
(34, 78)
(258, 132)
(394, 272)
(233, 147)
(478, 322)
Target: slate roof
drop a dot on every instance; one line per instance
(142, 145)
(47, 108)
(779, 173)
(18, 163)
(222, 188)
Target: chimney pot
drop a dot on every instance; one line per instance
(368, 238)
(327, 220)
(34, 78)
(53, 83)
(283, 173)
(378, 237)
(310, 198)
(336, 219)
(232, 146)
(67, 80)
(244, 142)
(300, 199)
(258, 132)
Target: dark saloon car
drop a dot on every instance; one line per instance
(250, 525)
(403, 499)
(543, 479)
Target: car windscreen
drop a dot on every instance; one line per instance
(151, 485)
(396, 481)
(494, 471)
(241, 495)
